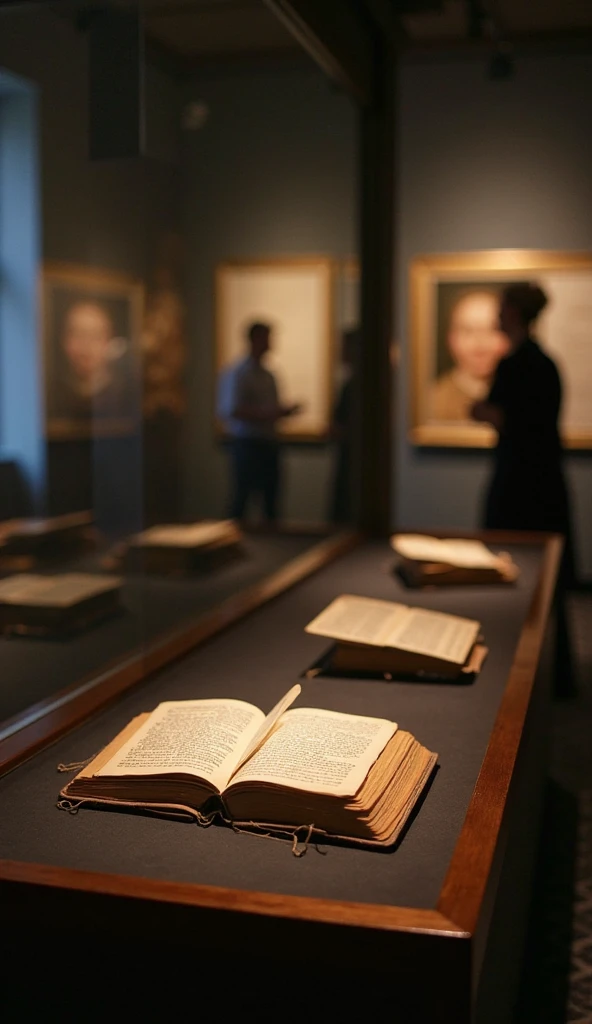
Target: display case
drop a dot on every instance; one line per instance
(437, 922)
(111, 319)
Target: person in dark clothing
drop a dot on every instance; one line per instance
(342, 433)
(528, 490)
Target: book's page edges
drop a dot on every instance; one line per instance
(418, 575)
(181, 812)
(476, 660)
(325, 666)
(70, 801)
(111, 749)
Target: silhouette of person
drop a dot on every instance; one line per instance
(476, 345)
(342, 432)
(528, 490)
(250, 407)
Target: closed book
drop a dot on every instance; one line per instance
(32, 604)
(181, 549)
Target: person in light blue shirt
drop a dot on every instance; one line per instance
(250, 408)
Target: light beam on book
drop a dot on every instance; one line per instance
(430, 561)
(383, 636)
(348, 776)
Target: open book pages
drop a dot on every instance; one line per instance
(347, 775)
(192, 535)
(372, 622)
(54, 591)
(227, 741)
(458, 553)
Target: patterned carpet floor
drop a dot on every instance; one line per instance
(557, 974)
(579, 1002)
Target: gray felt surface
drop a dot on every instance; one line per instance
(258, 660)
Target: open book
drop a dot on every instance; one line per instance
(344, 776)
(382, 636)
(430, 561)
(184, 547)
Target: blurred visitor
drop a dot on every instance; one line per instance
(250, 408)
(342, 432)
(528, 490)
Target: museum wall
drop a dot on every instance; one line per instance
(111, 215)
(270, 173)
(487, 164)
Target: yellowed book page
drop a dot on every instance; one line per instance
(319, 751)
(192, 535)
(418, 548)
(471, 554)
(436, 634)
(205, 738)
(360, 620)
(465, 554)
(270, 720)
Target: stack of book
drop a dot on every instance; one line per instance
(46, 606)
(185, 548)
(428, 561)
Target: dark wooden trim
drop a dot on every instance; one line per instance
(313, 938)
(337, 38)
(298, 908)
(374, 466)
(24, 735)
(462, 894)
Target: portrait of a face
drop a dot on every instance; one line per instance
(470, 344)
(91, 348)
(456, 343)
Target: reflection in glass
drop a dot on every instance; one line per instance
(129, 287)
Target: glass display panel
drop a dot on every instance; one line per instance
(178, 284)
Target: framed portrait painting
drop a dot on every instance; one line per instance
(456, 343)
(295, 298)
(91, 327)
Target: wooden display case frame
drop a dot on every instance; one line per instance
(451, 938)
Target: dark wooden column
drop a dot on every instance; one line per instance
(355, 44)
(376, 242)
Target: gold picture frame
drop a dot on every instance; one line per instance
(91, 325)
(296, 296)
(438, 283)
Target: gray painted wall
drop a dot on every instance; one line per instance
(485, 165)
(271, 173)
